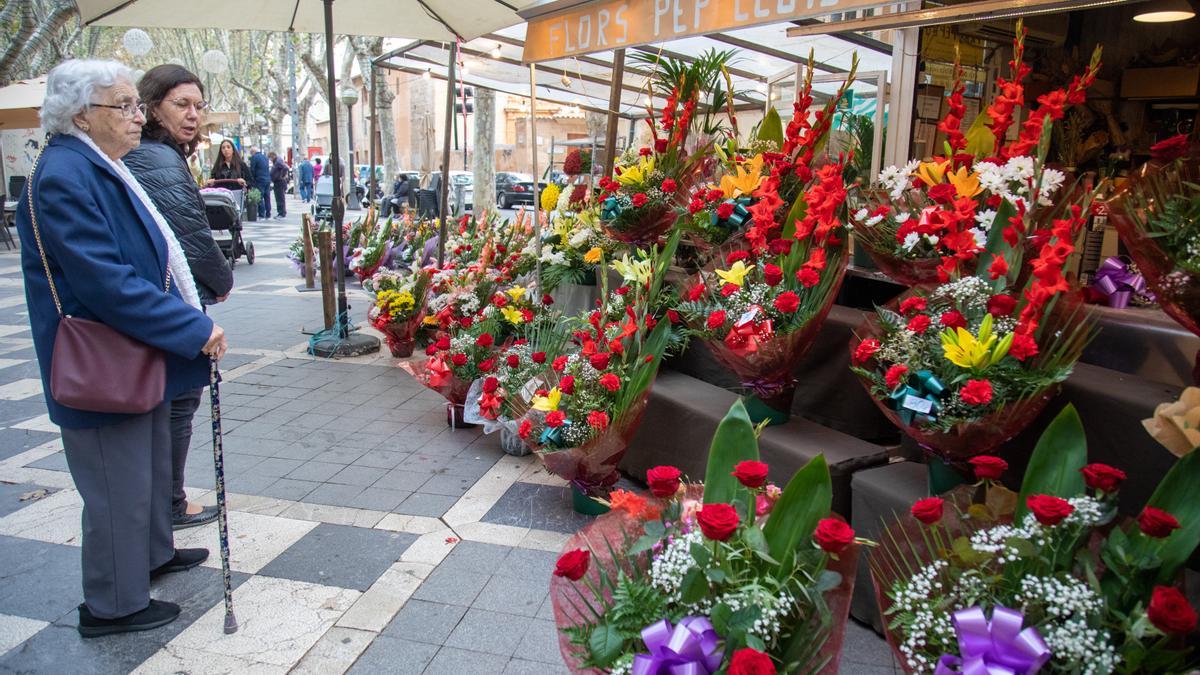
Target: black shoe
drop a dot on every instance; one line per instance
(185, 559)
(183, 521)
(159, 613)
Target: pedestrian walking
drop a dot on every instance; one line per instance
(279, 181)
(305, 179)
(317, 170)
(101, 262)
(229, 168)
(174, 99)
(260, 169)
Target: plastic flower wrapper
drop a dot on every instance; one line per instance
(399, 308)
(966, 365)
(1068, 586)
(1176, 425)
(1156, 213)
(456, 359)
(572, 247)
(375, 247)
(926, 220)
(644, 198)
(752, 572)
(295, 254)
(491, 244)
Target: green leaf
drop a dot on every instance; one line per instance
(694, 586)
(806, 499)
(734, 442)
(996, 246)
(828, 581)
(795, 213)
(744, 618)
(1175, 494)
(771, 128)
(1056, 460)
(655, 528)
(606, 644)
(643, 544)
(700, 554)
(755, 642)
(715, 574)
(755, 539)
(981, 142)
(720, 616)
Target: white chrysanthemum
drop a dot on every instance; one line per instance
(911, 240)
(985, 219)
(580, 238)
(1052, 180)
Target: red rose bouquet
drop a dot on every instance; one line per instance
(732, 575)
(1156, 213)
(399, 308)
(1050, 578)
(455, 360)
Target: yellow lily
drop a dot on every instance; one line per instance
(593, 255)
(967, 351)
(637, 173)
(932, 173)
(549, 401)
(965, 183)
(633, 271)
(735, 275)
(516, 292)
(512, 315)
(748, 178)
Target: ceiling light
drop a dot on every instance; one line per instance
(566, 80)
(1164, 11)
(496, 53)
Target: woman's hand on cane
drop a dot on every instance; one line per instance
(216, 345)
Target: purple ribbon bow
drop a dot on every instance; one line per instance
(996, 647)
(688, 649)
(1115, 280)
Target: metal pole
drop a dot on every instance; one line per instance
(293, 107)
(374, 130)
(537, 198)
(353, 170)
(338, 208)
(444, 198)
(614, 104)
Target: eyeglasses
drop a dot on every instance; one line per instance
(129, 109)
(183, 104)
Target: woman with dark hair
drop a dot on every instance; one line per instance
(229, 166)
(174, 100)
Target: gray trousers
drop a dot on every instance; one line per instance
(123, 473)
(183, 409)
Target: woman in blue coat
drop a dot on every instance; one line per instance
(108, 251)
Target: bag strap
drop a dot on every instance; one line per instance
(37, 236)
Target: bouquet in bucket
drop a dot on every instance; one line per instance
(730, 576)
(457, 358)
(588, 404)
(1156, 213)
(1049, 580)
(928, 219)
(399, 308)
(571, 249)
(644, 199)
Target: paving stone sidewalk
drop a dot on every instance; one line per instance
(366, 535)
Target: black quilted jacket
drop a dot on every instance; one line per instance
(164, 175)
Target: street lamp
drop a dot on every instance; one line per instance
(349, 96)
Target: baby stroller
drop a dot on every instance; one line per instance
(224, 210)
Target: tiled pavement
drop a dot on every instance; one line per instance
(366, 535)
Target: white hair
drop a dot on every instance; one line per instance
(70, 87)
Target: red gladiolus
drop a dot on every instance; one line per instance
(787, 302)
(598, 420)
(988, 467)
(715, 320)
(459, 360)
(919, 323)
(524, 429)
(953, 319)
(928, 510)
(539, 357)
(559, 363)
(1103, 477)
(1156, 522)
(976, 392)
(750, 473)
(1170, 611)
(717, 521)
(660, 145)
(780, 246)
(664, 481)
(610, 382)
(896, 375)
(555, 419)
(567, 385)
(599, 361)
(639, 200)
(772, 274)
(865, 350)
(998, 268)
(833, 535)
(913, 305)
(1048, 509)
(748, 661)
(573, 564)
(645, 152)
(1001, 305)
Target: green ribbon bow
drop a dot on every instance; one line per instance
(917, 401)
(553, 436)
(610, 208)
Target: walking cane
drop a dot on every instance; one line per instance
(214, 376)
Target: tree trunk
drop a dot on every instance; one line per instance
(49, 33)
(483, 163)
(422, 127)
(25, 27)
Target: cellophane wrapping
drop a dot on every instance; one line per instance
(592, 467)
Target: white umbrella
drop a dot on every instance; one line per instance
(416, 19)
(20, 103)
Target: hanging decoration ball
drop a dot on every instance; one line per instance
(137, 42)
(214, 61)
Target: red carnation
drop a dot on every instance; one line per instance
(773, 274)
(976, 392)
(431, 350)
(1170, 611)
(1048, 509)
(1103, 477)
(988, 467)
(485, 340)
(953, 319)
(573, 564)
(599, 361)
(499, 300)
(1023, 347)
(919, 323)
(459, 360)
(639, 199)
(716, 319)
(598, 420)
(555, 419)
(567, 385)
(787, 302)
(912, 305)
(729, 289)
(724, 210)
(524, 429)
(942, 193)
(559, 363)
(928, 510)
(750, 473)
(747, 661)
(1001, 305)
(694, 293)
(513, 361)
(808, 277)
(865, 350)
(717, 521)
(539, 357)
(833, 535)
(443, 342)
(663, 481)
(896, 375)
(645, 152)
(669, 186)
(610, 382)
(673, 316)
(1156, 522)
(547, 299)
(527, 315)
(735, 256)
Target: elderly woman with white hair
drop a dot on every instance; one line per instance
(101, 262)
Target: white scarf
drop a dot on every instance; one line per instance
(176, 260)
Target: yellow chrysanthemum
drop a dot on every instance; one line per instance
(593, 255)
(550, 197)
(516, 293)
(932, 173)
(637, 173)
(967, 351)
(735, 275)
(512, 315)
(966, 183)
(549, 401)
(632, 271)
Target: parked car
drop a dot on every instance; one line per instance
(513, 188)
